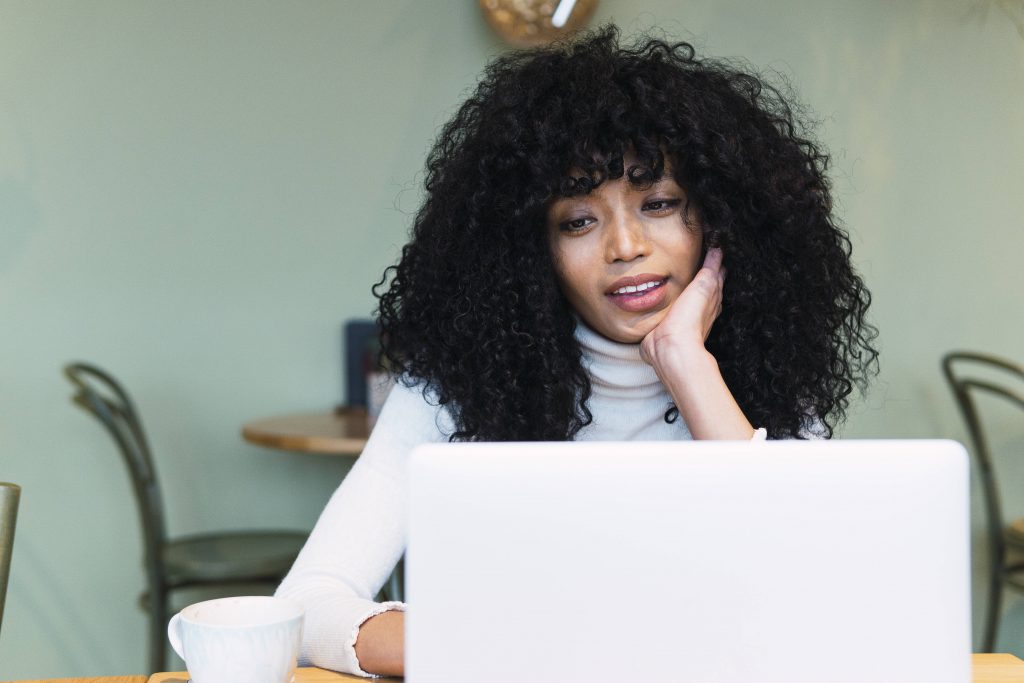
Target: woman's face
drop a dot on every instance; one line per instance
(623, 255)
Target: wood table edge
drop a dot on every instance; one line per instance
(996, 668)
(304, 674)
(987, 668)
(81, 679)
(267, 432)
(993, 668)
(316, 445)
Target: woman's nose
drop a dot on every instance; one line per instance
(626, 240)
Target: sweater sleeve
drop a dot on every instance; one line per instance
(360, 535)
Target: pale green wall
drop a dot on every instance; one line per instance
(196, 195)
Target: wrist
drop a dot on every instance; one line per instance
(380, 644)
(673, 349)
(672, 356)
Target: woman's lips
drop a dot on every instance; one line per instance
(638, 302)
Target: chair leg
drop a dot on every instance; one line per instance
(995, 605)
(396, 582)
(157, 631)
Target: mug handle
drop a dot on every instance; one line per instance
(174, 635)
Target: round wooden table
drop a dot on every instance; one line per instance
(342, 432)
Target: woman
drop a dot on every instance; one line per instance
(566, 279)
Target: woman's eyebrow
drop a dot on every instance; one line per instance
(572, 199)
(564, 204)
(655, 185)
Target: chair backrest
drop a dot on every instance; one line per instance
(972, 374)
(100, 394)
(9, 496)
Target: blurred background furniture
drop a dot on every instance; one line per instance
(9, 497)
(359, 349)
(986, 668)
(342, 432)
(368, 374)
(211, 560)
(971, 375)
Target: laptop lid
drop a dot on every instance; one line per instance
(710, 562)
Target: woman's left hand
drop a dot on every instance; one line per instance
(675, 349)
(689, 319)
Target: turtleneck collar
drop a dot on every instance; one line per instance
(616, 368)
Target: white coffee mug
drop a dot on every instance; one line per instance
(251, 639)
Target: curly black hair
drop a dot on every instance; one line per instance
(473, 311)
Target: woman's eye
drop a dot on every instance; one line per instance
(660, 205)
(576, 224)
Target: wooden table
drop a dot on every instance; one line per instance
(302, 675)
(997, 668)
(992, 668)
(93, 679)
(342, 432)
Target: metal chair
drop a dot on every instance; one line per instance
(970, 375)
(9, 496)
(212, 560)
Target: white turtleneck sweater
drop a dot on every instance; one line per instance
(361, 534)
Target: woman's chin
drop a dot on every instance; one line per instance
(630, 331)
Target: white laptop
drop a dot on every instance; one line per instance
(709, 562)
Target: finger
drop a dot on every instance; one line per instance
(706, 281)
(713, 259)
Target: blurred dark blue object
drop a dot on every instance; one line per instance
(359, 356)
